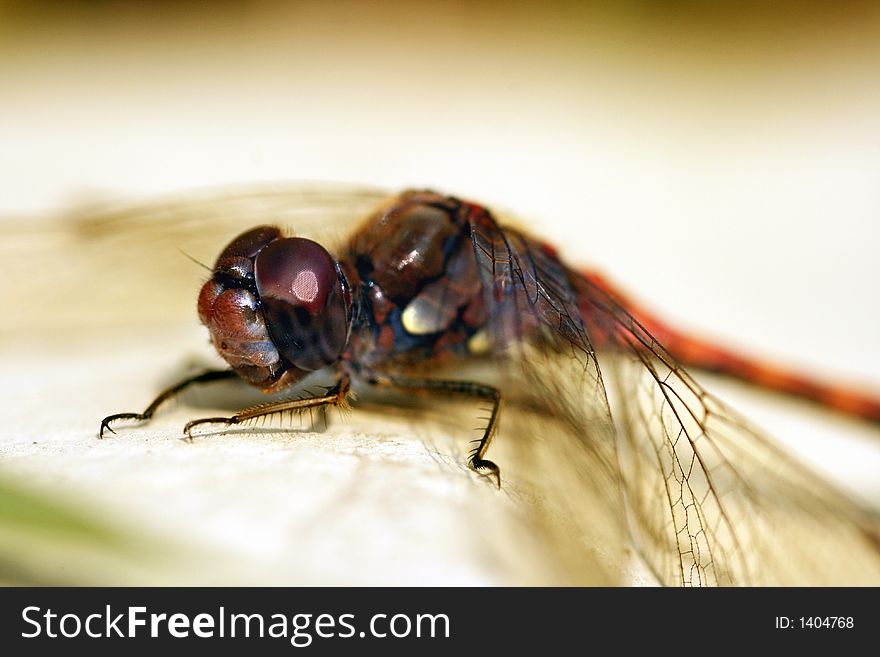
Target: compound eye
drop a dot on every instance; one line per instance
(236, 259)
(250, 243)
(304, 302)
(297, 271)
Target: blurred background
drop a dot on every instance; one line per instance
(719, 160)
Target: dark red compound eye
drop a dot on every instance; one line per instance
(304, 300)
(236, 260)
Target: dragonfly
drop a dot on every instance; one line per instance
(429, 282)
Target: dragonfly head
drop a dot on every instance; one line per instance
(277, 307)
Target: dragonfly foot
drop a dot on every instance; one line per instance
(105, 423)
(187, 430)
(487, 469)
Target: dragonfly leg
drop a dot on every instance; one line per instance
(464, 388)
(336, 396)
(165, 395)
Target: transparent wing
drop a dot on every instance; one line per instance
(126, 262)
(708, 499)
(711, 500)
(557, 421)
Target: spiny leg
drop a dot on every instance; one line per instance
(467, 388)
(165, 395)
(336, 396)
